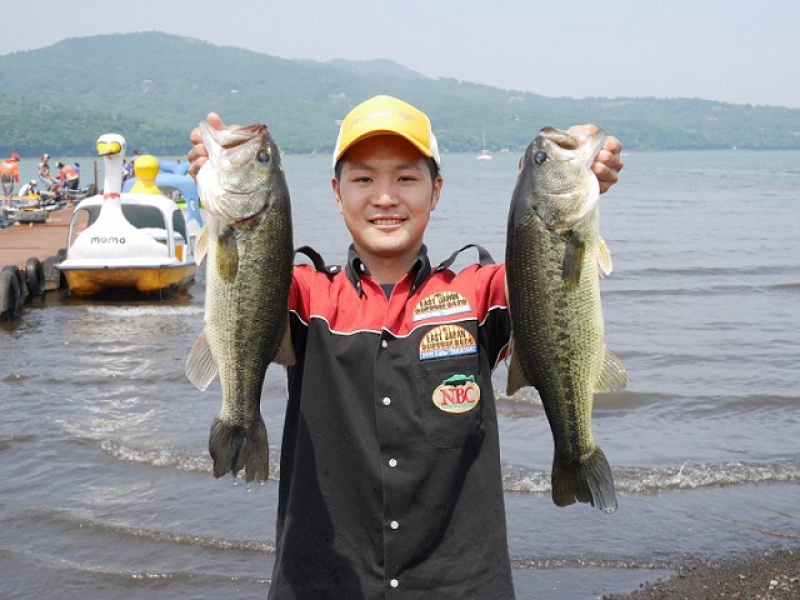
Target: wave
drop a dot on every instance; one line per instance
(171, 458)
(577, 562)
(758, 287)
(82, 519)
(141, 310)
(652, 480)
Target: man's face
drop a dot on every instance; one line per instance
(386, 195)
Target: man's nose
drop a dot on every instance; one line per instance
(386, 196)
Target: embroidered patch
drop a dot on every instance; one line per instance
(447, 340)
(441, 304)
(457, 394)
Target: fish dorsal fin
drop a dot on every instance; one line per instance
(604, 262)
(201, 369)
(613, 377)
(285, 355)
(201, 245)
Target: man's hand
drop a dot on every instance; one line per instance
(608, 163)
(198, 155)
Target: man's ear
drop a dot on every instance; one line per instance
(437, 190)
(337, 194)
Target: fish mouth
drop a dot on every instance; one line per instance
(242, 135)
(586, 147)
(561, 138)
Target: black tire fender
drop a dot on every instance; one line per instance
(21, 288)
(34, 277)
(10, 296)
(54, 278)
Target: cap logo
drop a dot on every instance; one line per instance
(457, 394)
(379, 115)
(446, 341)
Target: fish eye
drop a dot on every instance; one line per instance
(540, 157)
(262, 156)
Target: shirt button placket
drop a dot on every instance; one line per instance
(393, 525)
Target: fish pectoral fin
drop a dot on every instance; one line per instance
(604, 261)
(613, 377)
(201, 245)
(285, 355)
(516, 376)
(201, 368)
(573, 260)
(227, 255)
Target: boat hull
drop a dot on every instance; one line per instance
(145, 280)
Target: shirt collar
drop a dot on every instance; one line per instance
(356, 269)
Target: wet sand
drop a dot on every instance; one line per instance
(772, 576)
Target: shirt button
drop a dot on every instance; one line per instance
(384, 343)
(394, 583)
(387, 401)
(392, 462)
(394, 525)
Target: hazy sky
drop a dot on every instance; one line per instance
(729, 50)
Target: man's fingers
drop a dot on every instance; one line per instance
(215, 121)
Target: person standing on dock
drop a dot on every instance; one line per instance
(9, 177)
(45, 175)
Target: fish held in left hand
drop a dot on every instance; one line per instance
(248, 249)
(554, 259)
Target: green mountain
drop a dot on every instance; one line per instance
(154, 88)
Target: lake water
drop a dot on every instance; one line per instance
(106, 484)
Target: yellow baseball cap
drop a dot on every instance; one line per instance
(382, 115)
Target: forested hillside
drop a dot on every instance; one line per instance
(154, 88)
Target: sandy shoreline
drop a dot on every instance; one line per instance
(768, 576)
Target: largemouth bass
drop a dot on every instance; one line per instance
(554, 258)
(247, 245)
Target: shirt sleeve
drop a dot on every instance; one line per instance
(495, 327)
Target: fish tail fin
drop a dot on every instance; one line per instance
(235, 447)
(588, 481)
(201, 368)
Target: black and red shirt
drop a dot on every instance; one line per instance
(390, 482)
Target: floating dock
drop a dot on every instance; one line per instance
(29, 254)
(22, 241)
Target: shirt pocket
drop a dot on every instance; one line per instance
(449, 429)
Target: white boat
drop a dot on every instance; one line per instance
(129, 241)
(485, 154)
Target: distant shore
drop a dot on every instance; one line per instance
(767, 576)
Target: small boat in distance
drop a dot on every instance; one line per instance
(127, 241)
(485, 154)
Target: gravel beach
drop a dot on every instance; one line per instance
(772, 576)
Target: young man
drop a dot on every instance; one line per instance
(390, 464)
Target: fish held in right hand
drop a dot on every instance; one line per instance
(248, 249)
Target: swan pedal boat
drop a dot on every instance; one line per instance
(138, 241)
